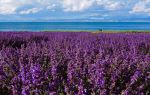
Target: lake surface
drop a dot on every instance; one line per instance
(42, 26)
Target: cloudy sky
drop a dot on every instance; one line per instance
(74, 10)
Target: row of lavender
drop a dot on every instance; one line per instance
(74, 64)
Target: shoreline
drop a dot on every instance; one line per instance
(92, 31)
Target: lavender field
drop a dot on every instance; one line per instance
(74, 63)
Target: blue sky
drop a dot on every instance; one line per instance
(74, 10)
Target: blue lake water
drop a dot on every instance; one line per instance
(42, 26)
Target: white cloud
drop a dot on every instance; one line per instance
(49, 7)
(18, 6)
(141, 7)
(29, 11)
(81, 5)
(76, 5)
(8, 6)
(12, 6)
(110, 4)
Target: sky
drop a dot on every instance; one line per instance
(74, 10)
